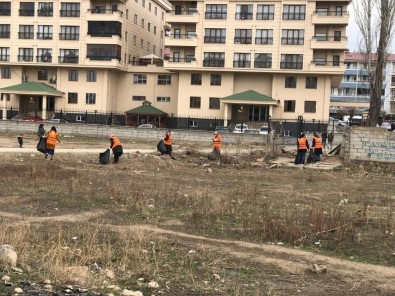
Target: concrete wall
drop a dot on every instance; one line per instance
(369, 143)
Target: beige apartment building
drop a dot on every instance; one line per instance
(248, 60)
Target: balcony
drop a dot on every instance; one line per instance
(108, 40)
(291, 65)
(5, 35)
(181, 40)
(69, 36)
(183, 16)
(103, 57)
(45, 36)
(44, 58)
(321, 65)
(292, 41)
(179, 63)
(5, 58)
(244, 15)
(26, 12)
(25, 58)
(241, 64)
(25, 35)
(70, 13)
(264, 40)
(209, 15)
(215, 39)
(330, 18)
(329, 42)
(45, 12)
(5, 12)
(68, 59)
(243, 40)
(100, 14)
(262, 64)
(215, 63)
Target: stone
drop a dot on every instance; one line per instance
(8, 256)
(216, 276)
(318, 268)
(127, 292)
(18, 291)
(6, 278)
(47, 282)
(210, 171)
(48, 287)
(153, 285)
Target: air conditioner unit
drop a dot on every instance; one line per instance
(25, 79)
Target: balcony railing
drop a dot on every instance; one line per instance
(291, 65)
(102, 57)
(25, 58)
(330, 13)
(188, 11)
(216, 15)
(244, 15)
(5, 12)
(184, 36)
(25, 35)
(292, 41)
(241, 64)
(44, 58)
(4, 34)
(26, 12)
(326, 63)
(213, 63)
(262, 64)
(5, 58)
(243, 40)
(44, 36)
(70, 13)
(180, 60)
(294, 16)
(263, 40)
(105, 11)
(68, 59)
(329, 38)
(214, 39)
(45, 12)
(69, 36)
(264, 15)
(104, 34)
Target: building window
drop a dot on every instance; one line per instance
(263, 60)
(196, 79)
(90, 98)
(194, 102)
(154, 49)
(70, 9)
(25, 55)
(44, 55)
(193, 123)
(243, 36)
(5, 73)
(42, 74)
(214, 103)
(134, 40)
(164, 79)
(154, 30)
(310, 106)
(294, 12)
(4, 31)
(336, 60)
(214, 59)
(142, 43)
(44, 32)
(135, 18)
(244, 12)
(289, 105)
(143, 3)
(5, 8)
(291, 61)
(26, 9)
(265, 12)
(290, 82)
(215, 79)
(127, 14)
(26, 32)
(73, 75)
(140, 78)
(69, 33)
(138, 98)
(91, 76)
(148, 46)
(216, 11)
(149, 6)
(72, 98)
(264, 36)
(295, 37)
(311, 82)
(69, 56)
(156, 10)
(142, 23)
(242, 60)
(214, 35)
(149, 27)
(163, 99)
(4, 54)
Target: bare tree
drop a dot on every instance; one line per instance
(375, 19)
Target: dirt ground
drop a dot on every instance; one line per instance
(227, 230)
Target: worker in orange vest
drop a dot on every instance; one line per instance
(168, 141)
(217, 143)
(303, 146)
(116, 147)
(52, 138)
(317, 145)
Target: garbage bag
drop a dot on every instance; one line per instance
(42, 145)
(161, 147)
(104, 157)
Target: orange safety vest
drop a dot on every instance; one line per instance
(168, 140)
(52, 137)
(317, 143)
(116, 142)
(302, 143)
(217, 141)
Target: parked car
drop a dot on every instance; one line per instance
(356, 120)
(222, 129)
(146, 125)
(252, 131)
(336, 122)
(264, 130)
(29, 118)
(386, 125)
(57, 120)
(240, 129)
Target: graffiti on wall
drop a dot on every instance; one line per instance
(382, 148)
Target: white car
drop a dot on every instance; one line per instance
(240, 129)
(264, 130)
(146, 125)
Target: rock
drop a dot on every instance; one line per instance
(273, 166)
(260, 160)
(153, 285)
(48, 287)
(210, 171)
(18, 290)
(318, 268)
(127, 292)
(6, 278)
(256, 164)
(47, 282)
(205, 165)
(216, 276)
(8, 256)
(109, 273)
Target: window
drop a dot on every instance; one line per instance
(163, 99)
(26, 9)
(216, 11)
(138, 98)
(91, 76)
(5, 73)
(4, 31)
(25, 55)
(69, 56)
(142, 23)
(214, 35)
(148, 46)
(193, 123)
(149, 27)
(311, 82)
(289, 105)
(295, 37)
(127, 14)
(164, 79)
(215, 79)
(42, 74)
(72, 98)
(44, 32)
(291, 61)
(337, 36)
(196, 79)
(70, 9)
(140, 78)
(135, 18)
(265, 12)
(294, 12)
(264, 36)
(73, 75)
(310, 106)
(4, 54)
(154, 30)
(69, 33)
(336, 60)
(142, 43)
(5, 8)
(243, 36)
(154, 49)
(26, 32)
(149, 6)
(194, 102)
(156, 10)
(134, 40)
(214, 103)
(214, 59)
(242, 60)
(263, 60)
(244, 12)
(143, 3)
(90, 99)
(290, 82)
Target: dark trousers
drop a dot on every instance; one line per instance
(301, 157)
(168, 149)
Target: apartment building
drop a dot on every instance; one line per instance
(352, 94)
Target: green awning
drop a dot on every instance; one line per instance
(32, 88)
(248, 96)
(146, 109)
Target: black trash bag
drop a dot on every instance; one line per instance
(161, 147)
(42, 145)
(104, 157)
(311, 157)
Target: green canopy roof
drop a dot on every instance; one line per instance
(34, 88)
(249, 95)
(146, 109)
